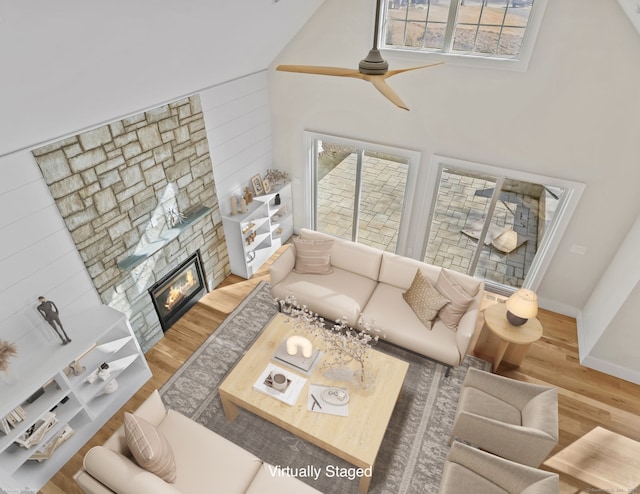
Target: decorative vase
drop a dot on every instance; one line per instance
(277, 200)
(344, 374)
(364, 379)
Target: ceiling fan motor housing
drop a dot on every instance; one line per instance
(373, 64)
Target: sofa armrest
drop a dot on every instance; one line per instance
(122, 475)
(283, 265)
(468, 324)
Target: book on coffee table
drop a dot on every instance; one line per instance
(298, 362)
(290, 394)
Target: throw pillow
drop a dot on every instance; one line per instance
(460, 300)
(424, 299)
(313, 256)
(149, 447)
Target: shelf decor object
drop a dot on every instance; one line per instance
(59, 410)
(255, 232)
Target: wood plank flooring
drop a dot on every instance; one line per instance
(587, 398)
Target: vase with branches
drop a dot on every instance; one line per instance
(342, 343)
(7, 352)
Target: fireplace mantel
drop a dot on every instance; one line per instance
(141, 255)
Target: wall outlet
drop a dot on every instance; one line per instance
(578, 249)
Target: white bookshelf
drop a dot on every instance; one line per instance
(272, 224)
(98, 335)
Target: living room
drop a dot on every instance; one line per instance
(572, 114)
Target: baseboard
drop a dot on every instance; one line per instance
(558, 307)
(612, 369)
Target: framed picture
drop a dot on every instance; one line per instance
(266, 185)
(258, 187)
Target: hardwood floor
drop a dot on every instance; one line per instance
(586, 397)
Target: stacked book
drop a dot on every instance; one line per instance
(45, 451)
(34, 434)
(14, 417)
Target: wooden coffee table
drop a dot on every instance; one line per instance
(355, 438)
(602, 459)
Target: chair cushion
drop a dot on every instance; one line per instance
(424, 299)
(149, 447)
(459, 299)
(477, 402)
(205, 460)
(267, 481)
(456, 479)
(313, 256)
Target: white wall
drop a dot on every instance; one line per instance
(71, 64)
(574, 114)
(37, 256)
(239, 132)
(609, 327)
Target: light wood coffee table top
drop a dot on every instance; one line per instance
(355, 438)
(602, 459)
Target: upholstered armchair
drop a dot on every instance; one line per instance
(512, 419)
(470, 470)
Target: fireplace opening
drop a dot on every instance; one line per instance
(178, 291)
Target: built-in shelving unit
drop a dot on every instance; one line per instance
(100, 335)
(253, 236)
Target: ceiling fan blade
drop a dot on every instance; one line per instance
(380, 84)
(400, 71)
(320, 70)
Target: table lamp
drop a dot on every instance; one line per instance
(521, 306)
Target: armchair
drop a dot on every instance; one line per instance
(513, 419)
(470, 470)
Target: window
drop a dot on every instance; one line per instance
(360, 191)
(496, 224)
(500, 30)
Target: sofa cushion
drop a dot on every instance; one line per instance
(457, 478)
(313, 256)
(267, 481)
(349, 256)
(149, 447)
(206, 460)
(341, 293)
(478, 402)
(459, 299)
(398, 324)
(400, 271)
(424, 299)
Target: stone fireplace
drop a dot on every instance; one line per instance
(138, 198)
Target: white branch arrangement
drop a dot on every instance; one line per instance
(7, 351)
(343, 343)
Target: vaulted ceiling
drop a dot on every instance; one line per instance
(70, 64)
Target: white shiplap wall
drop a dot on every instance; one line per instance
(37, 254)
(238, 125)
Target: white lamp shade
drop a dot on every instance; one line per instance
(523, 303)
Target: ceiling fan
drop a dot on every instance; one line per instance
(372, 68)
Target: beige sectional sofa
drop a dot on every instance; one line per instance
(370, 283)
(205, 462)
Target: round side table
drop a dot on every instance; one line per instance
(517, 339)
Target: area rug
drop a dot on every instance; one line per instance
(415, 445)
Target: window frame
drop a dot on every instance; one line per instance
(418, 55)
(409, 209)
(557, 228)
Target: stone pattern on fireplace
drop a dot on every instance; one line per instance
(115, 187)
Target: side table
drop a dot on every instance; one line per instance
(500, 340)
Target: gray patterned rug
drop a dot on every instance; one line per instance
(415, 445)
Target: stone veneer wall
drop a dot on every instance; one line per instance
(114, 186)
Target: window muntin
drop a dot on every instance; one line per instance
(495, 29)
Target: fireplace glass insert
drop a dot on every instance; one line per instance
(174, 294)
